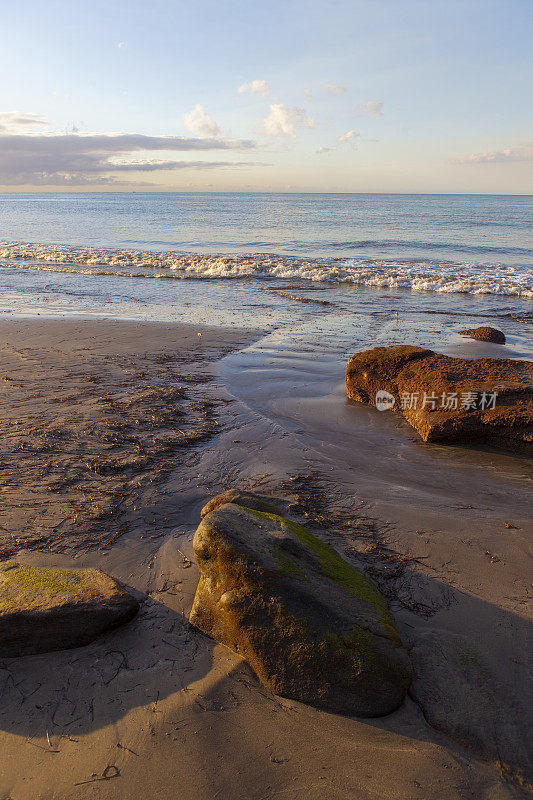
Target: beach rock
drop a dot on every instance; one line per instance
(45, 609)
(485, 334)
(460, 697)
(456, 400)
(312, 627)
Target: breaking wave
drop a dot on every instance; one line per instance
(420, 276)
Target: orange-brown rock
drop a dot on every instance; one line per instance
(485, 334)
(459, 400)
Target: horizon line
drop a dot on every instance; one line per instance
(266, 191)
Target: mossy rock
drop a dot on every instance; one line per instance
(312, 627)
(243, 497)
(44, 609)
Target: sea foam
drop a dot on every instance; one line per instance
(444, 277)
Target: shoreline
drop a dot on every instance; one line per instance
(171, 708)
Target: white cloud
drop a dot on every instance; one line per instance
(523, 152)
(255, 87)
(347, 136)
(12, 121)
(122, 45)
(308, 93)
(283, 121)
(200, 123)
(335, 89)
(324, 149)
(371, 109)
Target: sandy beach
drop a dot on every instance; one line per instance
(114, 434)
(266, 401)
(93, 412)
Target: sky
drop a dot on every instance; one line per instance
(292, 96)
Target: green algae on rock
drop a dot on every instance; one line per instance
(312, 627)
(44, 609)
(243, 497)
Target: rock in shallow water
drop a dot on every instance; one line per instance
(43, 609)
(312, 627)
(459, 400)
(485, 334)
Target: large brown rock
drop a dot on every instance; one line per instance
(485, 334)
(44, 609)
(458, 400)
(312, 627)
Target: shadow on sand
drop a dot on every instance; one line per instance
(73, 692)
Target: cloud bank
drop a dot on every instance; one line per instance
(88, 159)
(523, 152)
(12, 121)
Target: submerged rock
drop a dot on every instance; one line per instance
(458, 400)
(313, 627)
(45, 609)
(485, 334)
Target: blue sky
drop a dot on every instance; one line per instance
(385, 95)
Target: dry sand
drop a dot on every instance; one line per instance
(155, 709)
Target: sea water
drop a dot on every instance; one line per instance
(359, 268)
(319, 276)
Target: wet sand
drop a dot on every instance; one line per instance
(172, 712)
(91, 413)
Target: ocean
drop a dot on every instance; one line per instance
(478, 244)
(349, 269)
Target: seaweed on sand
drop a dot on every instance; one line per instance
(78, 448)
